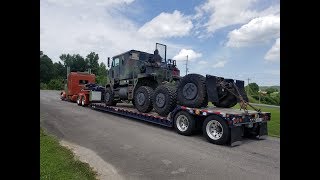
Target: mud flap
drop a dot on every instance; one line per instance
(211, 83)
(236, 136)
(262, 130)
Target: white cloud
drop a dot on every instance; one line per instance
(69, 3)
(182, 55)
(218, 14)
(203, 62)
(82, 29)
(258, 30)
(225, 12)
(274, 53)
(167, 25)
(220, 64)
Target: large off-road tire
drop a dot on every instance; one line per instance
(184, 123)
(192, 91)
(165, 99)
(227, 102)
(109, 97)
(143, 99)
(216, 130)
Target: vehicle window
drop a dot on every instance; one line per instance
(83, 81)
(116, 62)
(135, 55)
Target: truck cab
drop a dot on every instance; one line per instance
(75, 82)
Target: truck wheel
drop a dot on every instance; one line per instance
(109, 97)
(79, 100)
(83, 101)
(143, 99)
(227, 102)
(164, 100)
(216, 130)
(192, 91)
(184, 123)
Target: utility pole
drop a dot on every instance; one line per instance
(248, 86)
(187, 65)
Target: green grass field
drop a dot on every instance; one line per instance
(274, 123)
(58, 162)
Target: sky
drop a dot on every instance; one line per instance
(237, 39)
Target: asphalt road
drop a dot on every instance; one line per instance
(141, 150)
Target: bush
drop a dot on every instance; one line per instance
(55, 84)
(43, 86)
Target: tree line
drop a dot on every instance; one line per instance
(269, 96)
(53, 75)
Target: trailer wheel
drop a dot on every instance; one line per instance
(143, 99)
(216, 130)
(184, 123)
(79, 100)
(83, 101)
(192, 91)
(165, 99)
(109, 97)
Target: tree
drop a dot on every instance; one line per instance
(271, 90)
(102, 74)
(46, 68)
(253, 87)
(92, 62)
(60, 71)
(75, 62)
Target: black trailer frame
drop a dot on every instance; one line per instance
(241, 123)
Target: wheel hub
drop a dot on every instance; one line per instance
(190, 91)
(141, 99)
(160, 100)
(182, 123)
(107, 97)
(214, 130)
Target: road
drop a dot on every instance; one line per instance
(141, 150)
(265, 105)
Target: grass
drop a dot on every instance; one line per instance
(273, 124)
(58, 162)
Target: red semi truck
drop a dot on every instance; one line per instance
(76, 81)
(219, 125)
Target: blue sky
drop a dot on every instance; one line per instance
(231, 38)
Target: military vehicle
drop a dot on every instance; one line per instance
(134, 75)
(151, 81)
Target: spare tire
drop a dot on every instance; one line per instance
(165, 99)
(143, 99)
(192, 91)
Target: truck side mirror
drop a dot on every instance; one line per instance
(108, 61)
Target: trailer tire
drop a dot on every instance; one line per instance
(192, 91)
(216, 130)
(184, 123)
(79, 100)
(143, 99)
(109, 97)
(164, 99)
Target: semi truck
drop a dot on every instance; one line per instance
(148, 87)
